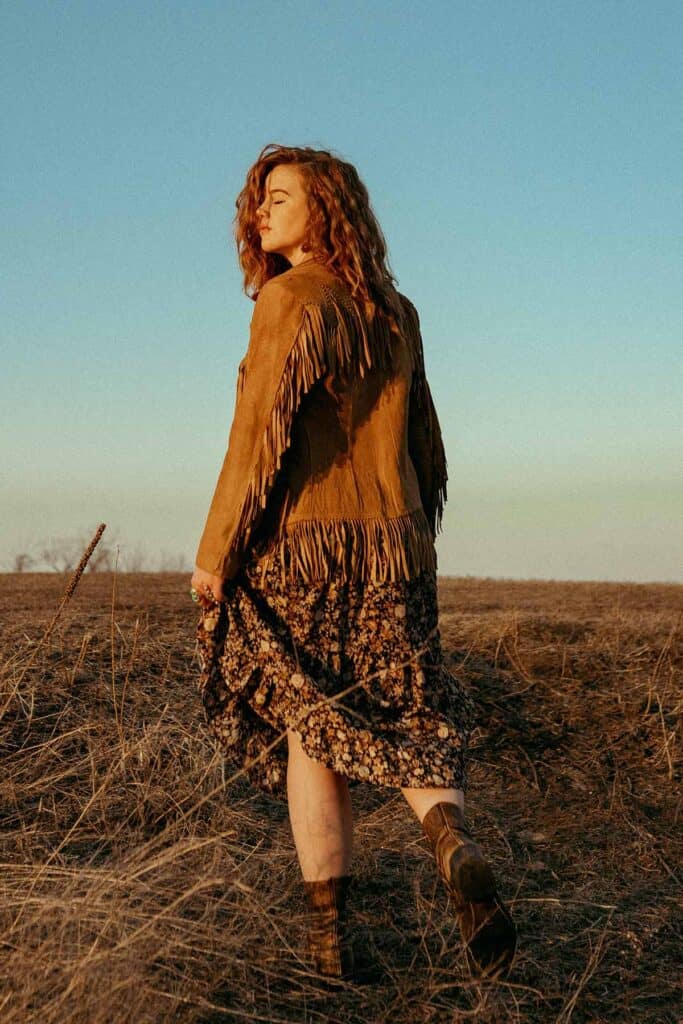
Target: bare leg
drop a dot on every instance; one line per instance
(422, 799)
(320, 814)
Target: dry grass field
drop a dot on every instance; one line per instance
(137, 886)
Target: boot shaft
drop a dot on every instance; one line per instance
(488, 931)
(329, 941)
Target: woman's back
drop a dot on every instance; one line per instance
(337, 456)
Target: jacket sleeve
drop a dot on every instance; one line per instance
(284, 359)
(425, 443)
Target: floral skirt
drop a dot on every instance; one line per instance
(354, 668)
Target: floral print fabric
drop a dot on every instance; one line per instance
(353, 667)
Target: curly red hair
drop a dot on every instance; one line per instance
(343, 230)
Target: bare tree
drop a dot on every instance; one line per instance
(173, 563)
(22, 562)
(103, 560)
(135, 559)
(106, 557)
(59, 554)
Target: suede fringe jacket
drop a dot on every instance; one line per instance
(335, 451)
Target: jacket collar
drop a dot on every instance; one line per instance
(313, 265)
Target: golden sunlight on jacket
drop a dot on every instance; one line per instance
(335, 452)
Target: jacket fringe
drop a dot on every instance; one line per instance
(380, 550)
(421, 393)
(348, 358)
(326, 341)
(439, 489)
(240, 377)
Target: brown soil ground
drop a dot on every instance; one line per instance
(138, 887)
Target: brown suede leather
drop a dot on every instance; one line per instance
(329, 940)
(335, 450)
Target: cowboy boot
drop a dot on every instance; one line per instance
(487, 929)
(329, 942)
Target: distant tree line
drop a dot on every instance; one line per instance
(62, 554)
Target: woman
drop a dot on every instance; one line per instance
(316, 570)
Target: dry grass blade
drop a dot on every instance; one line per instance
(68, 594)
(591, 967)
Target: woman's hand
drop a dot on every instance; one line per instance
(207, 586)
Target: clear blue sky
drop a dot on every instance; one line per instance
(524, 160)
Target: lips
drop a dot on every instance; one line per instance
(263, 228)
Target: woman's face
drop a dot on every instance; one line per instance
(282, 215)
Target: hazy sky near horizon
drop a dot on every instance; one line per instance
(524, 160)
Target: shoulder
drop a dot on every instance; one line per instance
(274, 293)
(411, 321)
(409, 310)
(301, 285)
(413, 335)
(278, 310)
(283, 317)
